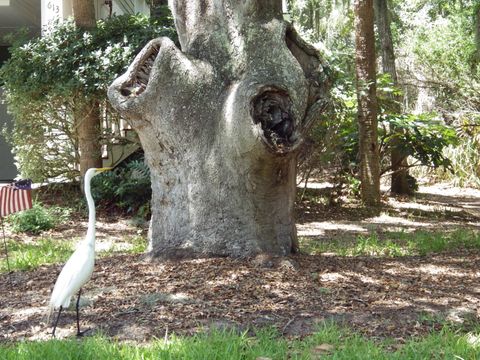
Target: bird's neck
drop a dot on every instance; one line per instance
(91, 214)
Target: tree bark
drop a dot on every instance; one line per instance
(220, 122)
(84, 13)
(382, 18)
(87, 114)
(87, 122)
(367, 101)
(399, 163)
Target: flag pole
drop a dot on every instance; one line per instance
(14, 197)
(5, 244)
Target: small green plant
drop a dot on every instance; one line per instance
(37, 219)
(422, 137)
(353, 184)
(139, 244)
(433, 320)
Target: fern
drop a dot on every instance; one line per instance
(128, 187)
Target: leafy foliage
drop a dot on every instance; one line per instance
(465, 156)
(48, 79)
(444, 56)
(438, 69)
(332, 146)
(67, 59)
(334, 143)
(422, 137)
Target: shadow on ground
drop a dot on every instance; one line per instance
(131, 298)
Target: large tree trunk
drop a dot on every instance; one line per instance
(399, 164)
(367, 102)
(220, 123)
(87, 113)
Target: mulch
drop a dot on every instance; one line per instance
(133, 298)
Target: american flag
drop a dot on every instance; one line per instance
(15, 197)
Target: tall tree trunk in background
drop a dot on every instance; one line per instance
(84, 14)
(382, 18)
(220, 122)
(367, 101)
(87, 114)
(87, 123)
(399, 164)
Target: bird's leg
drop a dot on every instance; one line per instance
(79, 333)
(56, 321)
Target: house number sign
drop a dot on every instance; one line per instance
(53, 7)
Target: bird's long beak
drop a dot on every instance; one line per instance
(104, 169)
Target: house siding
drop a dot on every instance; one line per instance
(8, 170)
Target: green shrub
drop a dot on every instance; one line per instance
(47, 79)
(37, 219)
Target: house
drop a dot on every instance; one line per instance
(33, 15)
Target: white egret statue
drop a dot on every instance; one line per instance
(79, 268)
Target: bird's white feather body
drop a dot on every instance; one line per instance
(79, 267)
(76, 272)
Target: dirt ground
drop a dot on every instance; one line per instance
(131, 298)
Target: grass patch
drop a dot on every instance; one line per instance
(396, 243)
(44, 251)
(427, 242)
(330, 342)
(138, 244)
(28, 256)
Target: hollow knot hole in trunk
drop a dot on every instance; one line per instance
(141, 73)
(272, 110)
